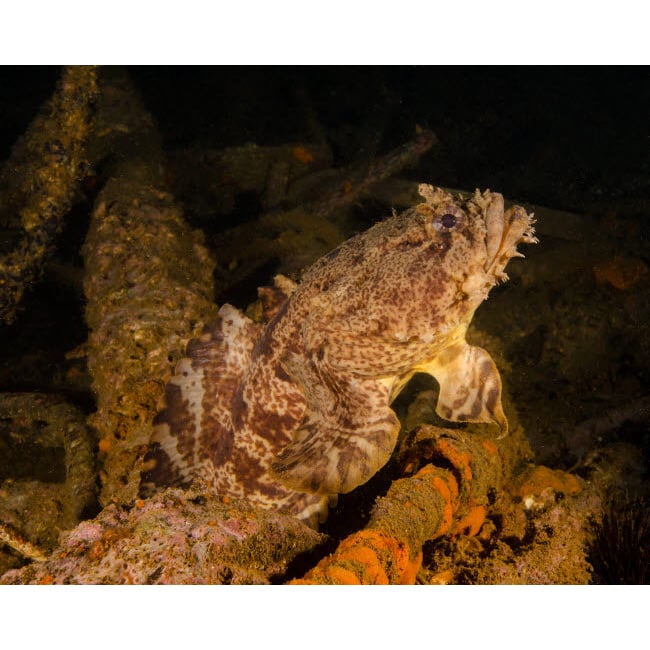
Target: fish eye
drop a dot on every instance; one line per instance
(448, 218)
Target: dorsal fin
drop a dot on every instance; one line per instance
(192, 433)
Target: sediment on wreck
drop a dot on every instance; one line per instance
(175, 537)
(41, 492)
(447, 496)
(39, 180)
(445, 512)
(148, 283)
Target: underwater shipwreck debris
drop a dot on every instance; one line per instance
(536, 527)
(33, 510)
(542, 539)
(44, 170)
(300, 235)
(148, 284)
(593, 431)
(149, 288)
(450, 495)
(209, 182)
(176, 537)
(355, 182)
(195, 537)
(11, 538)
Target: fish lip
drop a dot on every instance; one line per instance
(495, 224)
(506, 229)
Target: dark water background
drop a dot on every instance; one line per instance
(557, 136)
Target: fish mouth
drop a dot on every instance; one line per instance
(505, 230)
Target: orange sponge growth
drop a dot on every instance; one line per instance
(620, 272)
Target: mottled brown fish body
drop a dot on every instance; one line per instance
(290, 415)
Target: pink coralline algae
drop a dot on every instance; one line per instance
(176, 537)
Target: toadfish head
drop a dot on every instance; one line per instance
(420, 274)
(480, 236)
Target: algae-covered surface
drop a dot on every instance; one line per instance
(263, 171)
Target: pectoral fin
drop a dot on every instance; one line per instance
(325, 458)
(470, 386)
(347, 434)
